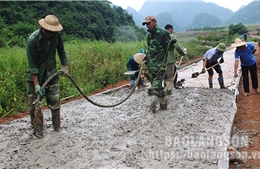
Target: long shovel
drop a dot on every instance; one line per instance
(196, 74)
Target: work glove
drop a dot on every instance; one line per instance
(145, 60)
(203, 70)
(38, 89)
(177, 66)
(172, 41)
(65, 70)
(221, 60)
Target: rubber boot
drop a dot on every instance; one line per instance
(150, 92)
(221, 83)
(132, 83)
(210, 84)
(169, 86)
(163, 102)
(38, 123)
(32, 125)
(154, 102)
(56, 119)
(32, 117)
(140, 83)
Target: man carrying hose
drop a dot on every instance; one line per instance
(156, 59)
(42, 46)
(210, 58)
(171, 74)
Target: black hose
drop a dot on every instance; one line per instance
(91, 101)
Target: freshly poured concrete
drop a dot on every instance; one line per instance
(193, 133)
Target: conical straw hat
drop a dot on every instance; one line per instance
(51, 23)
(139, 57)
(238, 42)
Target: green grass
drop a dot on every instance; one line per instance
(93, 65)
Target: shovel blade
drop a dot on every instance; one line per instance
(194, 75)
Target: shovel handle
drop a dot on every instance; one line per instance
(196, 74)
(212, 66)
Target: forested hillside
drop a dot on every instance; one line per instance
(97, 20)
(247, 15)
(205, 20)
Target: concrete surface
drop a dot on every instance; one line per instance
(202, 79)
(192, 133)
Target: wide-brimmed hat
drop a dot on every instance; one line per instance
(222, 47)
(139, 57)
(238, 43)
(50, 23)
(148, 19)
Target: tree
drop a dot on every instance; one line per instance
(95, 20)
(237, 29)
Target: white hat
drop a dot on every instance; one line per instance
(51, 23)
(239, 42)
(139, 57)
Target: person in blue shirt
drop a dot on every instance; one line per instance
(210, 58)
(133, 65)
(245, 53)
(245, 37)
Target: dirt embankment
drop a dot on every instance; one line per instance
(247, 120)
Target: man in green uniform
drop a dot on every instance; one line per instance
(156, 59)
(171, 72)
(42, 46)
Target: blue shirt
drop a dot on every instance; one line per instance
(213, 55)
(131, 64)
(246, 57)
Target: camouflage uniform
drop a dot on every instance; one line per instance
(157, 42)
(171, 60)
(42, 61)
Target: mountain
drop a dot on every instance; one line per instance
(195, 13)
(165, 18)
(138, 19)
(241, 7)
(205, 20)
(247, 15)
(181, 12)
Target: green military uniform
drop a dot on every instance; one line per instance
(171, 60)
(42, 62)
(157, 42)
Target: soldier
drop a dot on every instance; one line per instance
(41, 50)
(171, 74)
(156, 59)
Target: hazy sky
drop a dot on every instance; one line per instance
(233, 5)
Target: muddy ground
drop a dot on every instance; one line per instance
(126, 136)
